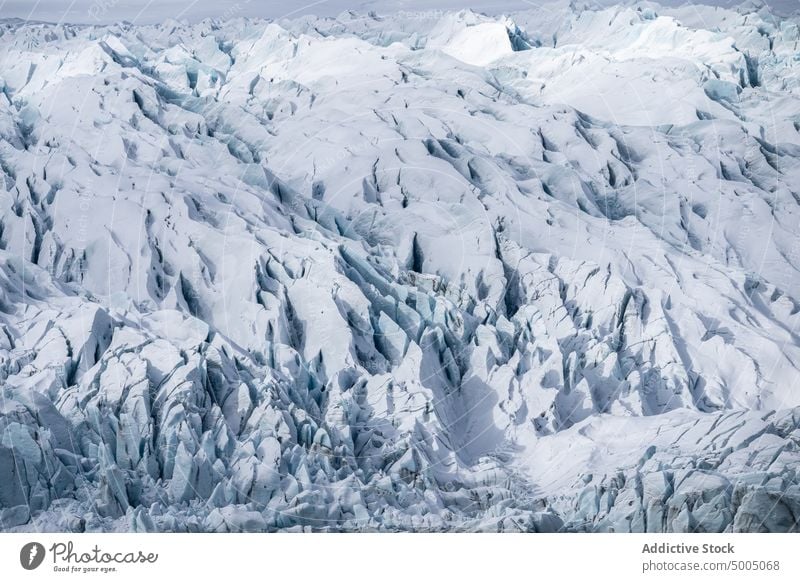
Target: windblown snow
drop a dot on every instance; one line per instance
(455, 272)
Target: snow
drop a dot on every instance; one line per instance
(462, 272)
(464, 36)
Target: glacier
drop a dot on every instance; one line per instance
(433, 271)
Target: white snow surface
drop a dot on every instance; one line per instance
(534, 272)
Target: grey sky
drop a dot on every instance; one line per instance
(148, 11)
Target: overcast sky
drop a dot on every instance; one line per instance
(156, 10)
(148, 11)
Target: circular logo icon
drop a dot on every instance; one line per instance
(31, 555)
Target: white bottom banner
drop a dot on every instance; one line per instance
(340, 557)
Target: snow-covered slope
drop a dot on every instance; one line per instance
(535, 272)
